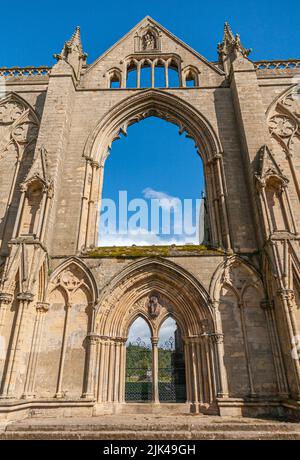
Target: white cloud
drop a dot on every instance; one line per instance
(142, 237)
(166, 201)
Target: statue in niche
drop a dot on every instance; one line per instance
(149, 41)
(153, 306)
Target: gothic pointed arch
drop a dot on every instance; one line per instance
(153, 277)
(19, 124)
(223, 275)
(242, 307)
(71, 296)
(152, 103)
(191, 122)
(283, 117)
(72, 274)
(156, 289)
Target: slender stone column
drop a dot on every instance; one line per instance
(268, 308)
(155, 389)
(195, 386)
(41, 309)
(59, 392)
(42, 213)
(5, 301)
(89, 381)
(138, 75)
(287, 298)
(222, 391)
(101, 370)
(290, 218)
(223, 381)
(44, 221)
(9, 378)
(188, 370)
(19, 214)
(246, 346)
(225, 231)
(91, 204)
(111, 370)
(122, 370)
(216, 205)
(153, 75)
(166, 75)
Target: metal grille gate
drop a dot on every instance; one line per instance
(171, 372)
(138, 385)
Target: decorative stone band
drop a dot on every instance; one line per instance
(106, 338)
(24, 71)
(5, 297)
(25, 296)
(216, 336)
(276, 64)
(93, 338)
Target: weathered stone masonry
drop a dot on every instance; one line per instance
(64, 315)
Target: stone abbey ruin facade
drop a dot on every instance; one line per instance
(66, 309)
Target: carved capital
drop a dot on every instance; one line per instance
(5, 298)
(288, 296)
(42, 307)
(154, 341)
(218, 337)
(25, 296)
(93, 338)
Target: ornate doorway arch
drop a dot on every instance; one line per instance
(154, 289)
(190, 121)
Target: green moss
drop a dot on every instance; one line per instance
(127, 252)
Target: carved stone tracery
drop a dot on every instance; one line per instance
(18, 126)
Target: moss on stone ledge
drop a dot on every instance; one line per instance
(132, 252)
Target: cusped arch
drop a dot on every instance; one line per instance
(148, 103)
(14, 97)
(119, 301)
(85, 279)
(221, 278)
(286, 92)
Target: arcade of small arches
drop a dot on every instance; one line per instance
(151, 71)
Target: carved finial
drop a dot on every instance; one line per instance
(72, 52)
(228, 35)
(231, 44)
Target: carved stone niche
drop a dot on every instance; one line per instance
(153, 306)
(148, 39)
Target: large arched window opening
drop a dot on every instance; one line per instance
(153, 189)
(171, 365)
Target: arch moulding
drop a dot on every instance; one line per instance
(190, 121)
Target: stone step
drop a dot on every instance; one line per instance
(272, 427)
(150, 435)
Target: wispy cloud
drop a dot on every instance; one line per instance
(142, 237)
(166, 201)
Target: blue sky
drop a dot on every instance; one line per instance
(153, 161)
(31, 31)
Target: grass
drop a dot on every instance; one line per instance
(132, 252)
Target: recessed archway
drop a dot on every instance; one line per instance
(153, 189)
(156, 290)
(173, 109)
